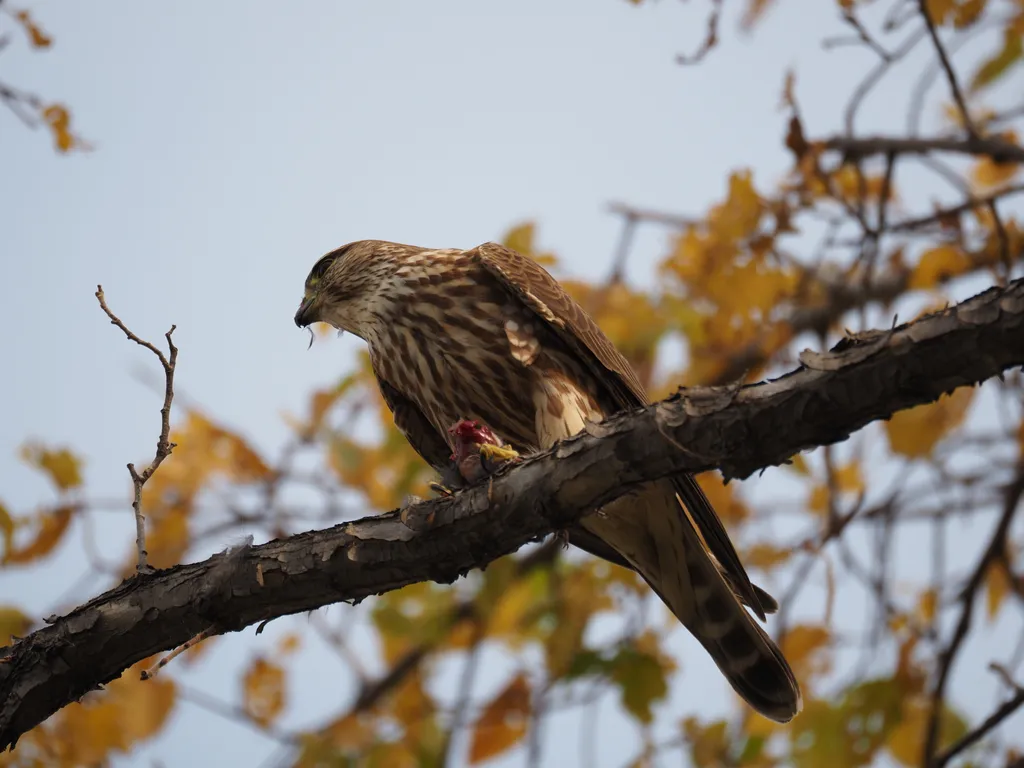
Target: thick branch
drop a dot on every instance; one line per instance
(739, 430)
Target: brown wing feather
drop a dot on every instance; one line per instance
(532, 284)
(411, 422)
(433, 448)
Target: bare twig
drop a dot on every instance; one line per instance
(954, 85)
(941, 214)
(466, 680)
(975, 735)
(618, 271)
(654, 217)
(710, 38)
(149, 674)
(163, 444)
(945, 665)
(999, 150)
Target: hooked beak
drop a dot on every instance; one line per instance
(306, 314)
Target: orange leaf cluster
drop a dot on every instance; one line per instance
(731, 280)
(36, 37)
(104, 723)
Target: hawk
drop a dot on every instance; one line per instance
(487, 334)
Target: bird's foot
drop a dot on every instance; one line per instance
(440, 490)
(498, 454)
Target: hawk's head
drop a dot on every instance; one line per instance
(353, 288)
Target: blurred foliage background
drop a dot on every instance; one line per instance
(474, 672)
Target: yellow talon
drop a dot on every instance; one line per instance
(440, 490)
(498, 453)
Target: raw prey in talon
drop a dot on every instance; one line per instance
(478, 452)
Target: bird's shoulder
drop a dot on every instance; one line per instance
(546, 298)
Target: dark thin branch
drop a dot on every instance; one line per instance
(736, 429)
(1006, 709)
(654, 217)
(625, 244)
(941, 214)
(947, 658)
(710, 37)
(947, 67)
(999, 150)
(164, 446)
(470, 666)
(874, 77)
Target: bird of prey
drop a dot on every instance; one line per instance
(488, 335)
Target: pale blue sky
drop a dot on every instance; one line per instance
(235, 143)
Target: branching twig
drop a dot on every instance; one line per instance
(999, 150)
(945, 665)
(975, 735)
(163, 444)
(947, 67)
(710, 38)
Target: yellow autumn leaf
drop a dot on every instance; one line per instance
(739, 216)
(62, 466)
(987, 174)
(391, 755)
(906, 740)
(766, 556)
(854, 186)
(755, 11)
(940, 10)
(916, 431)
(997, 586)
(939, 265)
(642, 680)
(503, 722)
(59, 119)
(168, 536)
(263, 691)
(351, 732)
(807, 647)
(999, 63)
(7, 523)
(128, 711)
(289, 644)
(412, 706)
(516, 604)
(723, 498)
(968, 12)
(847, 479)
(710, 744)
(521, 238)
(579, 597)
(797, 463)
(13, 623)
(36, 37)
(926, 605)
(50, 527)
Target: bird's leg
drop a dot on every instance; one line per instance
(440, 490)
(496, 455)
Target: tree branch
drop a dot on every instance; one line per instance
(737, 429)
(996, 546)
(1000, 150)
